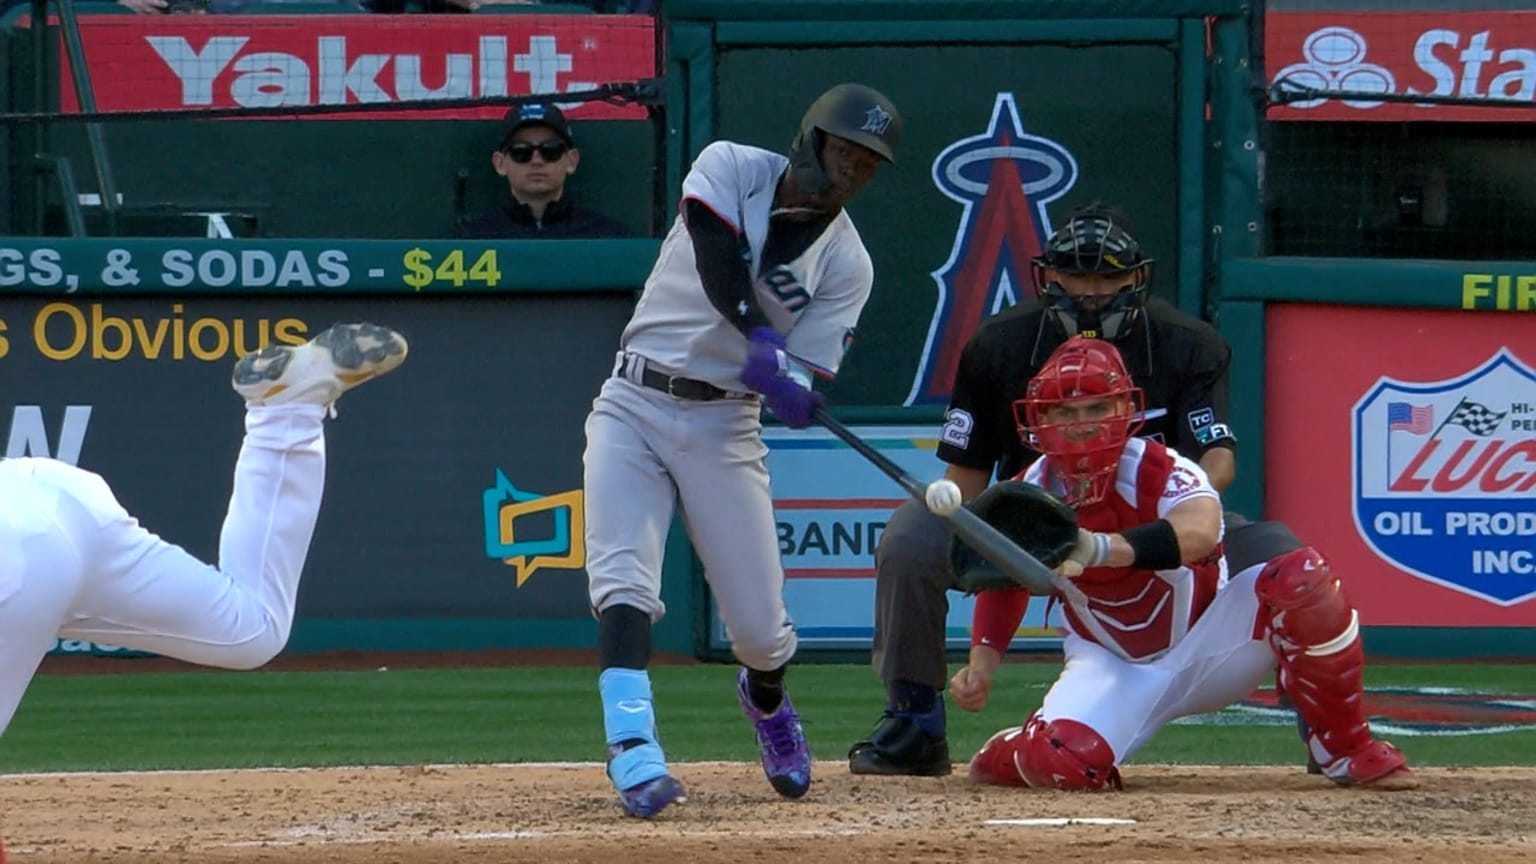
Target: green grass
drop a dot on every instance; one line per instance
(223, 719)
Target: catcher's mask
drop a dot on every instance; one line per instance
(858, 113)
(1095, 242)
(1081, 409)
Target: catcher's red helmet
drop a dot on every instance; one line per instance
(1081, 409)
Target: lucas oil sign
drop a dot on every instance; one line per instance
(1445, 478)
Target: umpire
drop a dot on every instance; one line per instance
(1092, 279)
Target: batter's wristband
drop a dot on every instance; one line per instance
(1156, 546)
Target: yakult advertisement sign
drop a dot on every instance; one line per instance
(269, 61)
(1465, 55)
(1401, 443)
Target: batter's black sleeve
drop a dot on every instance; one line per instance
(970, 436)
(722, 257)
(1199, 420)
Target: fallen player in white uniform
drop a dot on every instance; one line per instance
(75, 565)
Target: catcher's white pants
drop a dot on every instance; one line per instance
(75, 565)
(1218, 662)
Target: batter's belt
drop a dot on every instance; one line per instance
(636, 369)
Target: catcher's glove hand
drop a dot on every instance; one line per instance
(1039, 522)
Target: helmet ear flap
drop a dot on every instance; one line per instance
(805, 161)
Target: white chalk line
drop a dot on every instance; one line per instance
(404, 766)
(500, 836)
(1059, 821)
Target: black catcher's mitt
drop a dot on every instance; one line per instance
(1039, 522)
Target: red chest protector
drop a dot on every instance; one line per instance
(1141, 613)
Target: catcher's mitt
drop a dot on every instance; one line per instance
(1042, 524)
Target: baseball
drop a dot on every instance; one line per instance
(942, 497)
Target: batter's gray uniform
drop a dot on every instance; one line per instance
(648, 450)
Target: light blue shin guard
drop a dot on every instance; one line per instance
(629, 715)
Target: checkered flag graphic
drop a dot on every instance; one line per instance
(1478, 419)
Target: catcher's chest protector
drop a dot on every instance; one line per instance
(1139, 602)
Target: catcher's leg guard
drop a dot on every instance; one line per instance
(1315, 633)
(1060, 754)
(998, 761)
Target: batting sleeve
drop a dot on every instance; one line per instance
(711, 208)
(823, 333)
(720, 255)
(996, 618)
(970, 436)
(1199, 421)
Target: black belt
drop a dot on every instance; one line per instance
(685, 388)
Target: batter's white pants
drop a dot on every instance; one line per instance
(1219, 662)
(75, 565)
(646, 454)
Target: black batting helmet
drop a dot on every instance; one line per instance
(1096, 239)
(858, 113)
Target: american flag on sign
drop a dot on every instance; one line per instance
(1410, 418)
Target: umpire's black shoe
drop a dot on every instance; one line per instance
(899, 746)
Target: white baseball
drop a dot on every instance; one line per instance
(942, 497)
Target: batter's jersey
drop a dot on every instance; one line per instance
(814, 300)
(1182, 372)
(1140, 614)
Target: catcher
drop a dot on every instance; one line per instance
(1159, 625)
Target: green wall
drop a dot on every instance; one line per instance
(946, 93)
(1124, 85)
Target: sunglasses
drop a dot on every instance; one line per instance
(551, 151)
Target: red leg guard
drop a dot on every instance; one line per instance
(1315, 633)
(997, 763)
(1061, 754)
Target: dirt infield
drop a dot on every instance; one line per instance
(567, 814)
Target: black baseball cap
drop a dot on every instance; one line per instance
(535, 114)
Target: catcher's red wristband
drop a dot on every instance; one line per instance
(997, 616)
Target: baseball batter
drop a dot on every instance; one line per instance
(1158, 625)
(75, 565)
(759, 284)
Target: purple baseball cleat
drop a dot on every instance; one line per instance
(639, 773)
(653, 796)
(786, 755)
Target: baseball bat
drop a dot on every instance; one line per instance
(1020, 566)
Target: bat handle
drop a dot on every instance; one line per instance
(914, 487)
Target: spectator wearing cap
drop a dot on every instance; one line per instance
(537, 156)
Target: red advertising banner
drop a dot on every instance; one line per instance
(1402, 444)
(1470, 55)
(145, 63)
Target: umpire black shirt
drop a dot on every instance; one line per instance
(1184, 382)
(562, 220)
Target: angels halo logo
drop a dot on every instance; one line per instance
(1004, 177)
(1444, 478)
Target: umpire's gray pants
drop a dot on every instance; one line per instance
(912, 576)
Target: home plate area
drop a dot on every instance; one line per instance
(567, 813)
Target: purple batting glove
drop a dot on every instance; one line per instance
(792, 403)
(767, 372)
(766, 360)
